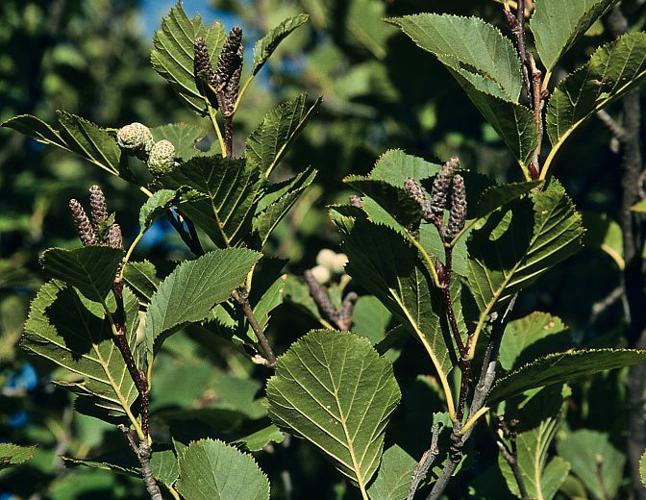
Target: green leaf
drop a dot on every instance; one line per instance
(595, 461)
(277, 201)
(12, 454)
(486, 65)
(172, 55)
(266, 46)
(611, 71)
(158, 203)
(90, 269)
(142, 278)
(606, 235)
(194, 287)
(370, 318)
(472, 43)
(556, 25)
(184, 137)
(639, 206)
(395, 166)
(259, 439)
(219, 195)
(498, 196)
(333, 389)
(209, 469)
(164, 466)
(561, 367)
(68, 331)
(521, 334)
(519, 243)
(90, 141)
(385, 265)
(77, 135)
(269, 142)
(539, 420)
(394, 477)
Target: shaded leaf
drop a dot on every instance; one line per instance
(209, 469)
(277, 201)
(394, 477)
(184, 137)
(256, 441)
(561, 367)
(219, 195)
(90, 269)
(611, 71)
(268, 143)
(68, 331)
(595, 461)
(333, 389)
(556, 25)
(142, 278)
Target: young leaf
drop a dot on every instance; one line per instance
(333, 389)
(63, 330)
(561, 367)
(259, 439)
(611, 71)
(194, 287)
(77, 135)
(184, 137)
(142, 278)
(12, 454)
(519, 243)
(90, 141)
(474, 44)
(159, 202)
(221, 195)
(394, 166)
(266, 46)
(277, 201)
(556, 25)
(539, 420)
(209, 469)
(90, 269)
(394, 477)
(595, 461)
(268, 143)
(172, 55)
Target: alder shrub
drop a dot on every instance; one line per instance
(440, 247)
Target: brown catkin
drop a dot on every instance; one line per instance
(415, 192)
(98, 206)
(228, 71)
(202, 63)
(440, 191)
(115, 238)
(82, 223)
(458, 208)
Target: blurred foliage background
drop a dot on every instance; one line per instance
(379, 92)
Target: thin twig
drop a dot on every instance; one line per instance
(242, 297)
(425, 463)
(537, 109)
(142, 452)
(618, 132)
(511, 459)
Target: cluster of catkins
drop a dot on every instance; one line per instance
(223, 82)
(137, 140)
(98, 231)
(446, 183)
